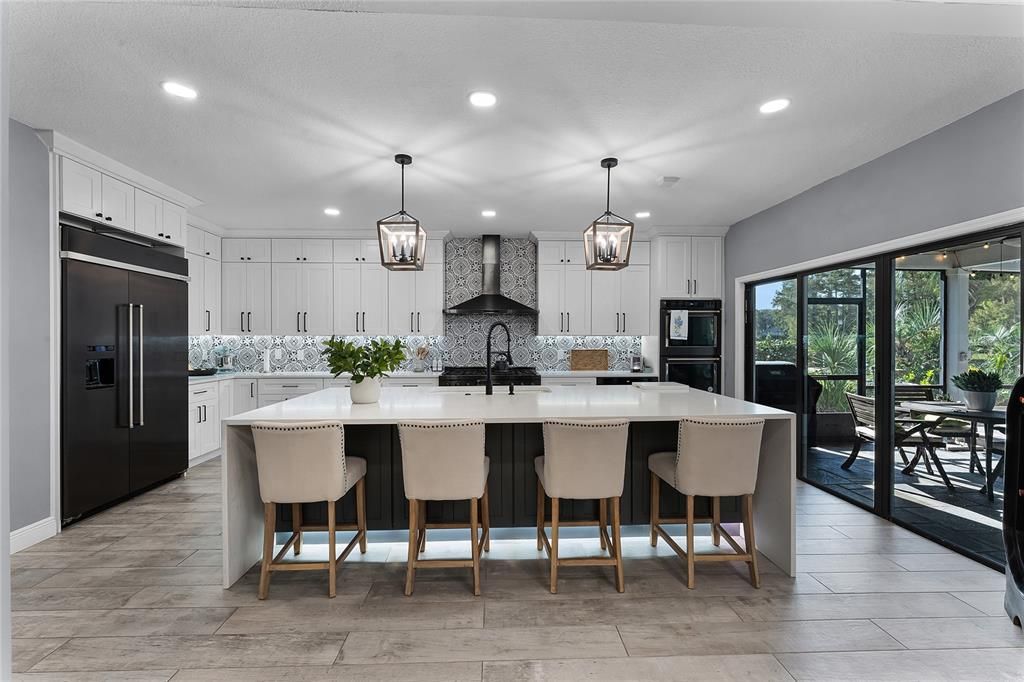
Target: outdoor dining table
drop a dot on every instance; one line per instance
(989, 419)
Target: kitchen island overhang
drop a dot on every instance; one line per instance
(513, 440)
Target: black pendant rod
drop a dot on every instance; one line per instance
(403, 189)
(609, 163)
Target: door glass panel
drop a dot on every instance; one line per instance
(776, 376)
(954, 309)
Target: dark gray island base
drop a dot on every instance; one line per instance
(512, 483)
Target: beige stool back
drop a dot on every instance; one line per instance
(443, 460)
(301, 462)
(585, 460)
(718, 457)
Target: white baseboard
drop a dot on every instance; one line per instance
(213, 454)
(33, 534)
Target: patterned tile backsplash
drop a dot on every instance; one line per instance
(465, 339)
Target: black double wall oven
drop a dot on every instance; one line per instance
(690, 340)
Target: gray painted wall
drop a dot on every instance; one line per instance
(30, 328)
(969, 169)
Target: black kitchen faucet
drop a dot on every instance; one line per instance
(507, 353)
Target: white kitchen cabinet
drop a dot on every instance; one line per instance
(202, 242)
(149, 214)
(302, 299)
(360, 299)
(621, 301)
(553, 252)
(270, 391)
(356, 251)
(688, 267)
(301, 251)
(204, 419)
(117, 203)
(416, 299)
(244, 396)
(81, 192)
(563, 298)
(247, 250)
(246, 298)
(175, 220)
(204, 295)
(212, 294)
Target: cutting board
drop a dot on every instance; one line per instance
(588, 360)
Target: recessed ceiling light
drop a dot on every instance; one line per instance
(773, 106)
(179, 90)
(643, 214)
(481, 98)
(488, 213)
(331, 211)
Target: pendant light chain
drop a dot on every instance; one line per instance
(402, 211)
(608, 193)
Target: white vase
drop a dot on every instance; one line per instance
(366, 391)
(983, 401)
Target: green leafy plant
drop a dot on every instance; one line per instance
(978, 380)
(374, 359)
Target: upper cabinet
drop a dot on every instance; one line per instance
(416, 299)
(246, 250)
(358, 251)
(301, 251)
(245, 297)
(688, 267)
(621, 302)
(202, 243)
(89, 193)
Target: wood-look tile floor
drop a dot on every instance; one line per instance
(134, 594)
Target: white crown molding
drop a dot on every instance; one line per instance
(65, 146)
(33, 534)
(306, 233)
(202, 224)
(641, 233)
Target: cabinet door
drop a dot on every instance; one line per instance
(257, 250)
(196, 295)
(286, 250)
(551, 317)
(212, 246)
(347, 306)
(195, 418)
(640, 253)
(80, 190)
(174, 223)
(635, 296)
(118, 202)
(243, 397)
(209, 429)
(576, 297)
(225, 406)
(234, 297)
(574, 253)
(347, 250)
(707, 267)
(370, 249)
(318, 297)
(374, 314)
(430, 299)
(317, 251)
(675, 257)
(195, 240)
(287, 304)
(550, 253)
(401, 302)
(149, 214)
(606, 295)
(257, 284)
(212, 296)
(233, 250)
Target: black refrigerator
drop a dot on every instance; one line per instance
(124, 374)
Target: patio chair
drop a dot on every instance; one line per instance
(907, 431)
(947, 428)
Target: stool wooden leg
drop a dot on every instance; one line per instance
(485, 509)
(474, 532)
(655, 506)
(269, 518)
(689, 542)
(540, 514)
(297, 527)
(620, 578)
(602, 515)
(414, 542)
(716, 519)
(421, 514)
(554, 545)
(360, 513)
(748, 535)
(332, 563)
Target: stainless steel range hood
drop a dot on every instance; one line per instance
(491, 301)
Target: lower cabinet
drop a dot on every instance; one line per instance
(204, 419)
(243, 391)
(270, 391)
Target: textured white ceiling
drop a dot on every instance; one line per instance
(301, 109)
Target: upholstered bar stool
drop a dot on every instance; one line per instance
(714, 458)
(583, 460)
(306, 462)
(445, 461)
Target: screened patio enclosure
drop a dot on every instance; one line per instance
(865, 354)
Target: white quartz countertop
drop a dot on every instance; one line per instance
(555, 374)
(530, 404)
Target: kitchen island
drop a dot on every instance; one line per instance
(513, 440)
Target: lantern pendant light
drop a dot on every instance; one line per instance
(403, 242)
(608, 240)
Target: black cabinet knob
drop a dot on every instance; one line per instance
(109, 218)
(99, 215)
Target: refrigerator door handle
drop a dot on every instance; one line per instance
(142, 369)
(131, 366)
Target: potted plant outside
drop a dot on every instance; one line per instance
(366, 363)
(979, 388)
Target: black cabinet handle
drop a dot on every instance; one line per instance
(204, 413)
(304, 327)
(109, 218)
(252, 389)
(417, 322)
(561, 322)
(623, 323)
(241, 322)
(99, 215)
(248, 317)
(364, 321)
(410, 323)
(199, 414)
(357, 320)
(616, 323)
(298, 327)
(568, 322)
(207, 320)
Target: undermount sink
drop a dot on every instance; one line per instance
(498, 390)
